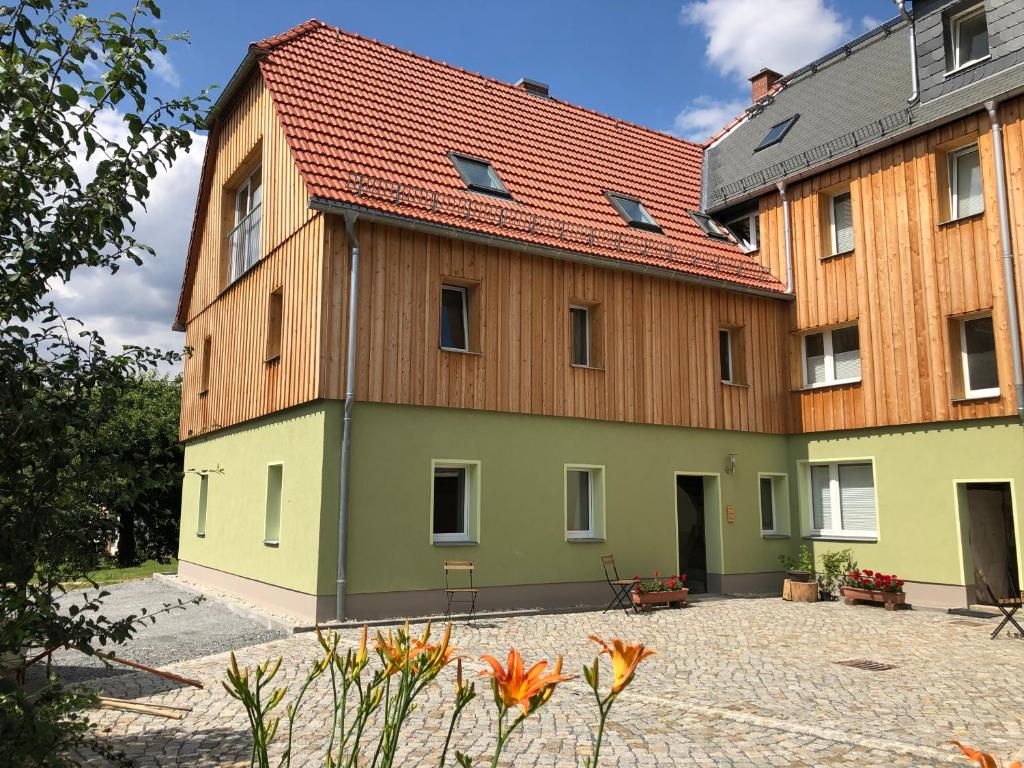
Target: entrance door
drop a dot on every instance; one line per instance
(693, 557)
(993, 539)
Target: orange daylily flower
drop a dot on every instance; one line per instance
(529, 689)
(626, 657)
(395, 660)
(984, 759)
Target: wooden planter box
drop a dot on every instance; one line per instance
(800, 591)
(891, 600)
(675, 598)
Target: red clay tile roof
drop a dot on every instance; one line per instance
(371, 125)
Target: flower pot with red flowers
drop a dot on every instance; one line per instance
(670, 591)
(869, 586)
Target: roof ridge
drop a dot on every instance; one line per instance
(294, 33)
(287, 36)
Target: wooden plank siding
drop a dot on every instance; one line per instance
(908, 274)
(658, 338)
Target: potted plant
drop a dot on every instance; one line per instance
(871, 587)
(661, 591)
(834, 567)
(799, 568)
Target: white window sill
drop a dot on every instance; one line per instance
(271, 543)
(830, 384)
(455, 543)
(735, 384)
(968, 65)
(774, 535)
(200, 535)
(869, 538)
(985, 394)
(584, 539)
(461, 351)
(961, 219)
(840, 254)
(586, 367)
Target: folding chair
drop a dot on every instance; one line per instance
(620, 587)
(463, 594)
(1008, 606)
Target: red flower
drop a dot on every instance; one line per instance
(657, 573)
(868, 573)
(900, 582)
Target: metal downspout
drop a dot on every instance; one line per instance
(788, 235)
(1010, 285)
(913, 49)
(346, 427)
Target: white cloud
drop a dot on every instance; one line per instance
(744, 36)
(705, 116)
(136, 304)
(869, 23)
(164, 69)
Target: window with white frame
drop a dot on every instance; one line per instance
(244, 238)
(725, 355)
(965, 191)
(842, 498)
(773, 495)
(832, 356)
(579, 344)
(204, 494)
(453, 502)
(841, 222)
(747, 231)
(978, 357)
(968, 37)
(455, 317)
(272, 524)
(584, 502)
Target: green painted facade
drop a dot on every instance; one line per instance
(520, 476)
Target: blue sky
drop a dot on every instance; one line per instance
(673, 65)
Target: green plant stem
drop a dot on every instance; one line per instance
(604, 708)
(451, 728)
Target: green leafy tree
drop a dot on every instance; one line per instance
(65, 74)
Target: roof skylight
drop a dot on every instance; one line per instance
(711, 227)
(633, 211)
(777, 132)
(478, 175)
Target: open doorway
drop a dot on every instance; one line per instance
(691, 533)
(992, 539)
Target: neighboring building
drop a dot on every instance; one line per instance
(557, 356)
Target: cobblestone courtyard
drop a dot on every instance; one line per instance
(737, 682)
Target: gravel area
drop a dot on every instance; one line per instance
(197, 630)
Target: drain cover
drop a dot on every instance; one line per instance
(871, 666)
(968, 623)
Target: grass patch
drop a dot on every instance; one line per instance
(114, 575)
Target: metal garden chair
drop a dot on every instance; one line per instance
(620, 587)
(459, 595)
(1008, 606)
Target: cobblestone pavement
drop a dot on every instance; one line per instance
(737, 682)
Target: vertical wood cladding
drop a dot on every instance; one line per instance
(659, 345)
(910, 271)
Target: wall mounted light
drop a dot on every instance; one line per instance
(730, 464)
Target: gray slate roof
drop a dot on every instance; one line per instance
(848, 100)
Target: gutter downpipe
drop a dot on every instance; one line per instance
(346, 428)
(913, 49)
(1010, 285)
(788, 234)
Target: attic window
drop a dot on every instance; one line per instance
(711, 227)
(633, 211)
(478, 175)
(777, 133)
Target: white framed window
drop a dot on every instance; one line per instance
(842, 500)
(968, 37)
(455, 317)
(978, 357)
(725, 355)
(747, 231)
(965, 191)
(244, 238)
(454, 501)
(832, 356)
(579, 344)
(275, 487)
(773, 499)
(204, 495)
(584, 502)
(840, 208)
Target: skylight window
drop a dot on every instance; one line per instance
(711, 227)
(777, 133)
(478, 175)
(633, 211)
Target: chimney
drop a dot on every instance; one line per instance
(533, 87)
(762, 82)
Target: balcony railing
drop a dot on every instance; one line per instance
(244, 243)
